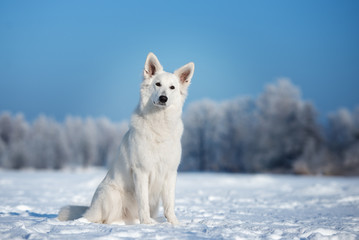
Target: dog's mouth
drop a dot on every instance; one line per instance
(159, 104)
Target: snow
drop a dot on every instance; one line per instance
(208, 205)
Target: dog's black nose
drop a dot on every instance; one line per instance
(163, 99)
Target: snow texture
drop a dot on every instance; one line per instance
(208, 205)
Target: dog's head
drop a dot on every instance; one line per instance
(164, 89)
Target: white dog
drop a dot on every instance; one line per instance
(150, 153)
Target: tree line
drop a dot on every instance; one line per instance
(47, 144)
(277, 132)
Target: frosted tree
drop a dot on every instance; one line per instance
(93, 142)
(12, 136)
(46, 145)
(81, 136)
(235, 132)
(285, 125)
(199, 138)
(341, 130)
(351, 163)
(217, 136)
(109, 136)
(343, 141)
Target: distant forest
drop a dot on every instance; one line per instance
(276, 132)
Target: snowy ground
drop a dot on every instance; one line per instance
(209, 206)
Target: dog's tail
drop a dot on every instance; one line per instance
(71, 212)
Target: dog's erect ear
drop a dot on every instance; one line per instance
(185, 73)
(152, 66)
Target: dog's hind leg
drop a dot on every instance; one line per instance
(106, 206)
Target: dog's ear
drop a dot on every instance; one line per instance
(152, 66)
(185, 73)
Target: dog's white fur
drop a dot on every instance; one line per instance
(150, 153)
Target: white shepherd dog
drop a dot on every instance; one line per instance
(149, 156)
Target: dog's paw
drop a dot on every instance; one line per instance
(173, 220)
(148, 221)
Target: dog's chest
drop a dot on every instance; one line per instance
(165, 152)
(163, 137)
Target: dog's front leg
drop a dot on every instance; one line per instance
(168, 197)
(141, 188)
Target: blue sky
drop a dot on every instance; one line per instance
(85, 58)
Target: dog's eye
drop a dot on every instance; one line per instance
(158, 84)
(172, 87)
